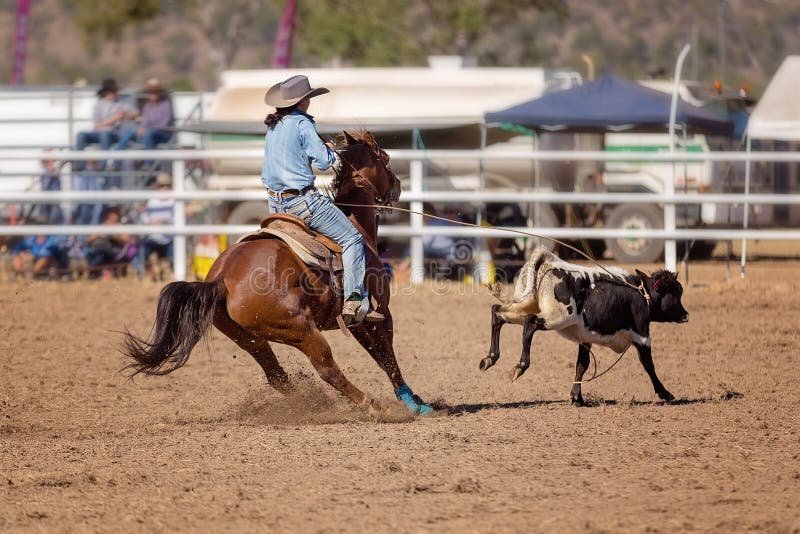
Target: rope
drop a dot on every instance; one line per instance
(594, 372)
(640, 288)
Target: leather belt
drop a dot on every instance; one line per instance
(292, 192)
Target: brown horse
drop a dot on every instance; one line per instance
(259, 292)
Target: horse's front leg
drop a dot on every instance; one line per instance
(377, 339)
(494, 343)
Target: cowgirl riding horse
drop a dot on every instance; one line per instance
(259, 291)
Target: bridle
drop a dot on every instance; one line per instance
(381, 156)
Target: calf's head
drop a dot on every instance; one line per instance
(665, 293)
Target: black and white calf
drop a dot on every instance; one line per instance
(589, 306)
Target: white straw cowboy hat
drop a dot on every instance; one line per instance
(289, 92)
(154, 86)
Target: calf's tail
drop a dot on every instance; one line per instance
(184, 315)
(498, 291)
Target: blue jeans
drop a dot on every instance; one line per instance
(150, 138)
(105, 138)
(86, 213)
(320, 213)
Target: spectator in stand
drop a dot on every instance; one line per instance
(51, 181)
(36, 255)
(109, 253)
(156, 120)
(108, 115)
(158, 247)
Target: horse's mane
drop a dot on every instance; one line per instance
(344, 178)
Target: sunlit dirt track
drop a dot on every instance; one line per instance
(212, 447)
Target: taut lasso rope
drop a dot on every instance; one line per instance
(640, 289)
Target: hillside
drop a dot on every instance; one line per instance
(186, 45)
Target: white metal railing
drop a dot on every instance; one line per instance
(416, 196)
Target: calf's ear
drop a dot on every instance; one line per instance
(643, 275)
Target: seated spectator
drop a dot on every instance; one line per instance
(156, 119)
(51, 181)
(36, 255)
(108, 115)
(158, 247)
(109, 253)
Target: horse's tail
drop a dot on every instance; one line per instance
(185, 313)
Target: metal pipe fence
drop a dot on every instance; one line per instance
(416, 230)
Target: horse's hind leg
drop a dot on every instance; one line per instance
(258, 347)
(319, 352)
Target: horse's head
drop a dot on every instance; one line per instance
(365, 165)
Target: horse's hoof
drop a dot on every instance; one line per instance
(371, 406)
(517, 372)
(487, 362)
(412, 401)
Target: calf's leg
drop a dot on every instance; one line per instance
(531, 325)
(580, 368)
(646, 358)
(494, 344)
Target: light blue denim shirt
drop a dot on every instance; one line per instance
(290, 149)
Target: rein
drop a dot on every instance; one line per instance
(640, 288)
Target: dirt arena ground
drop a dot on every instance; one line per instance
(213, 448)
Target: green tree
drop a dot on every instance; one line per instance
(391, 32)
(104, 20)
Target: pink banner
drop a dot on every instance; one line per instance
(282, 55)
(20, 41)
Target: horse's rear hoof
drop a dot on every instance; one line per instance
(487, 362)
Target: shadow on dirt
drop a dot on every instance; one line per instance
(588, 403)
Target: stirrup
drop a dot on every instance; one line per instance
(349, 311)
(374, 317)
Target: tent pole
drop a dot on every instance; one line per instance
(687, 243)
(481, 253)
(416, 245)
(670, 249)
(536, 180)
(481, 175)
(746, 206)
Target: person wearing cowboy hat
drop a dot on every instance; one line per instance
(156, 119)
(108, 116)
(292, 144)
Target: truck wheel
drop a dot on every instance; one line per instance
(547, 219)
(635, 216)
(249, 213)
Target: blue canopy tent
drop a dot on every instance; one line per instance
(609, 104)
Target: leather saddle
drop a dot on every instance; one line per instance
(312, 248)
